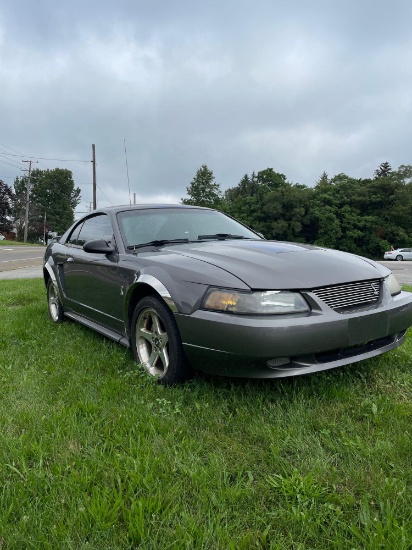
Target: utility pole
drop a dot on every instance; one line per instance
(44, 230)
(26, 217)
(94, 176)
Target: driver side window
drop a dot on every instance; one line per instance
(74, 234)
(97, 227)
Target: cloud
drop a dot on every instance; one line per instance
(301, 87)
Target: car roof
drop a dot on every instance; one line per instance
(122, 208)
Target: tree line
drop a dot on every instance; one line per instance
(52, 200)
(363, 216)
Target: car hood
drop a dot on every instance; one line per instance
(281, 265)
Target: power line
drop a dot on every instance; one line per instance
(10, 164)
(6, 156)
(44, 158)
(2, 144)
(104, 195)
(17, 154)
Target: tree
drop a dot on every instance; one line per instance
(203, 189)
(383, 170)
(323, 180)
(247, 187)
(53, 198)
(273, 180)
(6, 205)
(268, 203)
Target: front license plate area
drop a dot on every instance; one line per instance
(367, 328)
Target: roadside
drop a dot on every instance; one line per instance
(7, 243)
(21, 262)
(32, 272)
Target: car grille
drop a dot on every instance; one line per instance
(350, 295)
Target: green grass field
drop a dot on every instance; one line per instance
(94, 454)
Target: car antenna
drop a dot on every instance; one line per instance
(127, 171)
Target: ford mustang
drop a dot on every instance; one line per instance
(191, 288)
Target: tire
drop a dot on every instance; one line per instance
(399, 258)
(156, 342)
(56, 311)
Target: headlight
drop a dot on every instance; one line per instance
(270, 302)
(393, 285)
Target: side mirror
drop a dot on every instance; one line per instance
(98, 246)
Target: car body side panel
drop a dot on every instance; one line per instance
(89, 285)
(97, 289)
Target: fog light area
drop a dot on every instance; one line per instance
(278, 362)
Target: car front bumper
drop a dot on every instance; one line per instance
(247, 346)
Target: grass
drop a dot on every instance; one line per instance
(94, 454)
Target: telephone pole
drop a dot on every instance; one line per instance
(26, 217)
(94, 176)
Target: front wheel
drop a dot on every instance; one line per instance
(55, 306)
(156, 342)
(399, 258)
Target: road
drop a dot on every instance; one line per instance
(20, 262)
(26, 262)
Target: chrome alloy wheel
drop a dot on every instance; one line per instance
(152, 342)
(55, 307)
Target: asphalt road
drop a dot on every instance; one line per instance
(21, 262)
(26, 262)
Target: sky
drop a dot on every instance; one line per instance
(299, 86)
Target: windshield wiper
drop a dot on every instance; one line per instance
(221, 236)
(162, 242)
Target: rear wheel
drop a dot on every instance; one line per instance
(399, 258)
(55, 306)
(156, 342)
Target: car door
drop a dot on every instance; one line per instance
(91, 279)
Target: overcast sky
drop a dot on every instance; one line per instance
(240, 85)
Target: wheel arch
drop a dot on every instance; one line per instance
(48, 274)
(145, 285)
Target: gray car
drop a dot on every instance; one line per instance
(191, 288)
(399, 254)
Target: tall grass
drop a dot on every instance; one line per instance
(94, 454)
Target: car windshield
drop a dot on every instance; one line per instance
(167, 224)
